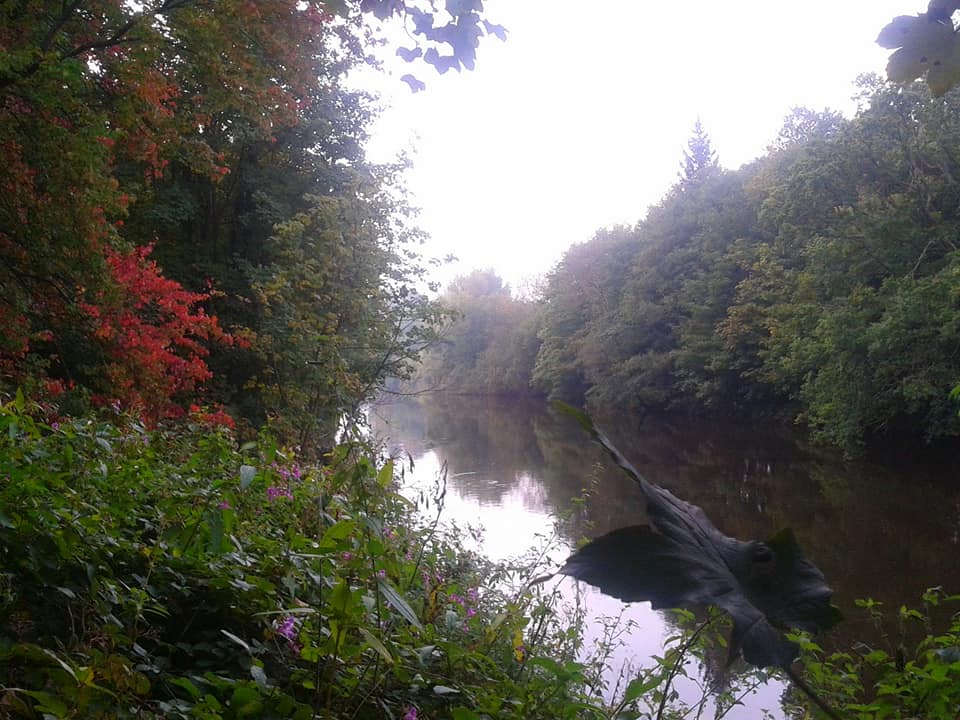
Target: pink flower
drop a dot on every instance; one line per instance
(288, 629)
(410, 714)
(275, 493)
(224, 505)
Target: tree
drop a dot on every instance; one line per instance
(699, 159)
(205, 132)
(489, 344)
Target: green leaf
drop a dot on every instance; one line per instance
(461, 713)
(187, 685)
(374, 642)
(385, 476)
(246, 701)
(639, 687)
(338, 531)
(48, 704)
(396, 601)
(19, 402)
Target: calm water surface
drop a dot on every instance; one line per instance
(881, 530)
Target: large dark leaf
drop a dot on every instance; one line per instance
(679, 559)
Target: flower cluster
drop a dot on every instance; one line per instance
(288, 630)
(275, 492)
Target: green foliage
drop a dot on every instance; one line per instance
(915, 672)
(813, 285)
(489, 344)
(166, 574)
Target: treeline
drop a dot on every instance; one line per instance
(821, 283)
(188, 222)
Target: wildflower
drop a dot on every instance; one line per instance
(54, 426)
(346, 556)
(382, 574)
(471, 612)
(410, 714)
(288, 629)
(389, 534)
(224, 505)
(275, 493)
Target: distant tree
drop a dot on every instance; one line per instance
(490, 346)
(699, 159)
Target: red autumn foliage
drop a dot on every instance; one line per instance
(152, 331)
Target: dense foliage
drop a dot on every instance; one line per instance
(166, 574)
(490, 346)
(161, 574)
(819, 284)
(186, 206)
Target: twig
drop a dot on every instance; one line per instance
(810, 693)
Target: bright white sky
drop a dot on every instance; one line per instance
(580, 119)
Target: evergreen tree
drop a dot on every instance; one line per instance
(699, 159)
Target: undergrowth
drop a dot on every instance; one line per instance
(170, 574)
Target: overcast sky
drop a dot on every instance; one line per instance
(580, 119)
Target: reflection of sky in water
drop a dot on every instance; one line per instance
(515, 515)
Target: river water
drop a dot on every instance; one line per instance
(885, 530)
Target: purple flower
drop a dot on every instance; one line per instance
(224, 505)
(54, 426)
(275, 493)
(346, 556)
(288, 629)
(471, 612)
(382, 574)
(410, 714)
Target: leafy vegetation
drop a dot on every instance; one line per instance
(913, 673)
(166, 574)
(187, 211)
(816, 285)
(491, 344)
(162, 574)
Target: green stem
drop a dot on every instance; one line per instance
(810, 693)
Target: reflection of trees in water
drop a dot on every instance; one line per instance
(884, 532)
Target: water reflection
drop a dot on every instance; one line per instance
(886, 532)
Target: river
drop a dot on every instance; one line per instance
(885, 530)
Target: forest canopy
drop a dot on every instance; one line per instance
(188, 222)
(819, 284)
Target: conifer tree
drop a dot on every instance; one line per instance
(699, 159)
